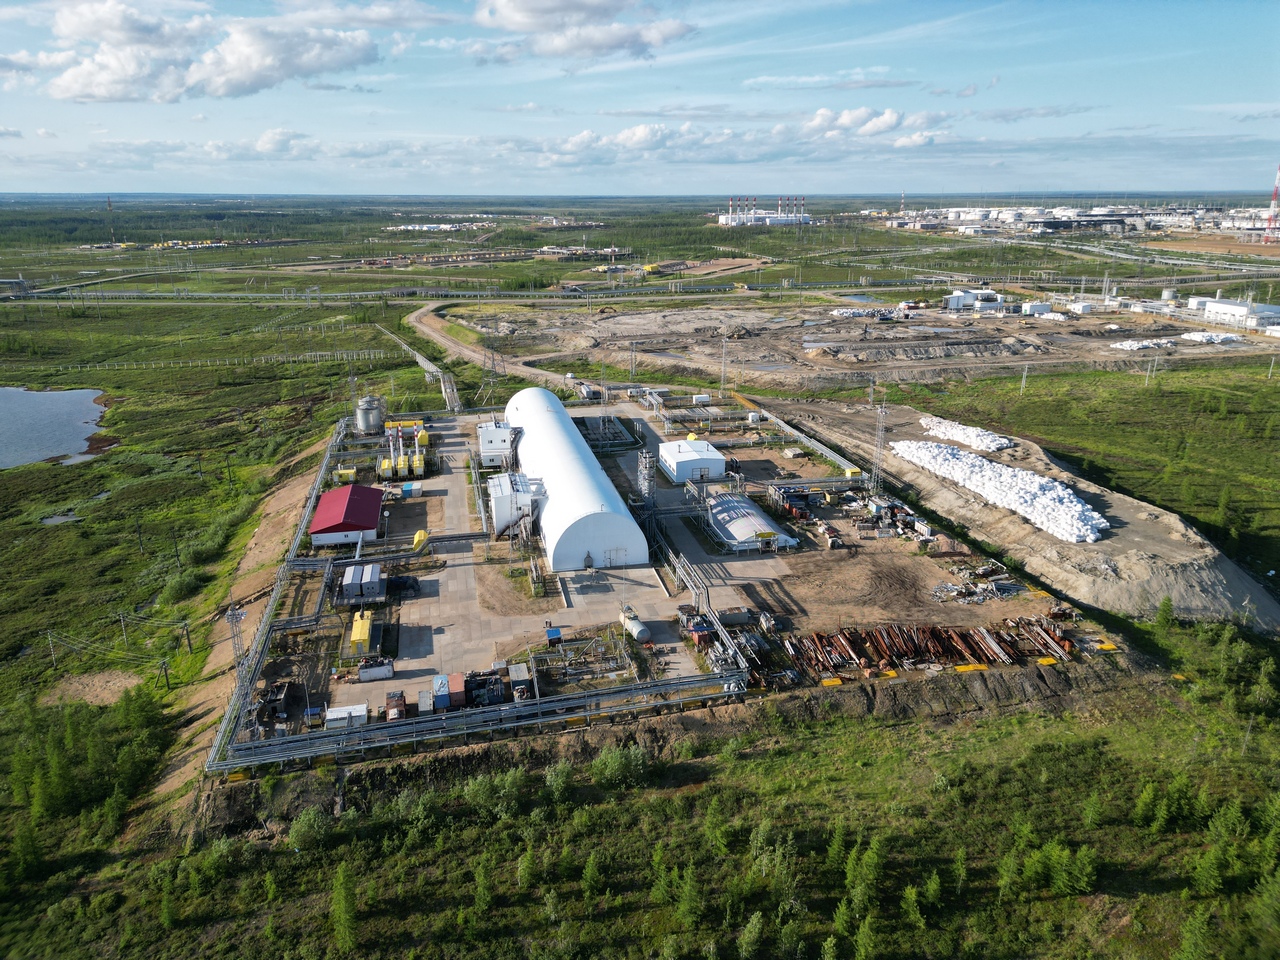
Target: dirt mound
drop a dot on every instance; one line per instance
(100, 689)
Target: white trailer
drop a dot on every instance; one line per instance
(338, 718)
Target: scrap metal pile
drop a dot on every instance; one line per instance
(854, 654)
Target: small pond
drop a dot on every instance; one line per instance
(38, 425)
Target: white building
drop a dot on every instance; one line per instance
(1241, 313)
(1036, 309)
(496, 440)
(683, 460)
(974, 300)
(583, 521)
(512, 497)
(1081, 307)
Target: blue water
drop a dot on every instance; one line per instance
(37, 425)
(862, 298)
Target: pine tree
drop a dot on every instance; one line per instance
(689, 904)
(751, 937)
(911, 906)
(592, 879)
(1164, 618)
(526, 870)
(342, 909)
(959, 870)
(1195, 936)
(864, 944)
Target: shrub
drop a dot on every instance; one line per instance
(309, 830)
(621, 767)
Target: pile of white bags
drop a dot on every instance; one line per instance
(974, 437)
(1048, 504)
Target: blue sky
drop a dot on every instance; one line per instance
(616, 97)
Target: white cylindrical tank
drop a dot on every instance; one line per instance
(634, 626)
(370, 413)
(1169, 293)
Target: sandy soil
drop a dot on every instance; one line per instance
(1211, 244)
(881, 581)
(100, 689)
(497, 593)
(255, 576)
(1149, 553)
(790, 345)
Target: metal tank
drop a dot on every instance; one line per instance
(370, 412)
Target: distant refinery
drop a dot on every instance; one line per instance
(743, 212)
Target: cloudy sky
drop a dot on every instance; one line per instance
(635, 97)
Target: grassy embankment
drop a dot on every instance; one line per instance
(1139, 830)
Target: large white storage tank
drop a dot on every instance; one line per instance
(584, 521)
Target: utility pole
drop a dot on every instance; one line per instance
(1024, 379)
(187, 633)
(51, 653)
(724, 363)
(177, 559)
(138, 527)
(123, 632)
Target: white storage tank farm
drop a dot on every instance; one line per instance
(584, 521)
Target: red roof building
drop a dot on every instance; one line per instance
(346, 514)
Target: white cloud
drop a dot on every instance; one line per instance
(255, 57)
(886, 121)
(10, 132)
(573, 29)
(1013, 115)
(855, 79)
(968, 91)
(925, 118)
(45, 134)
(116, 52)
(920, 138)
(598, 40)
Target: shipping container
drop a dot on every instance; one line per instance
(378, 668)
(734, 616)
(369, 582)
(457, 690)
(356, 715)
(426, 704)
(440, 693)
